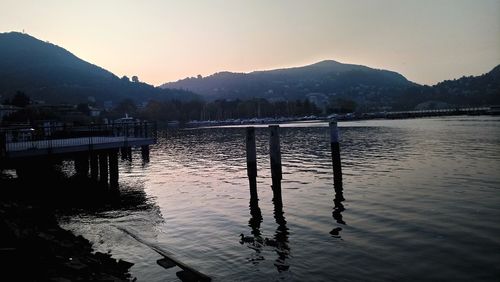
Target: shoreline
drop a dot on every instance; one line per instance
(33, 246)
(339, 118)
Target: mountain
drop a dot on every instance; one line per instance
(48, 72)
(482, 90)
(329, 84)
(329, 78)
(473, 90)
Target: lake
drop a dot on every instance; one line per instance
(422, 202)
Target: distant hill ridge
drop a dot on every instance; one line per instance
(327, 77)
(48, 72)
(330, 82)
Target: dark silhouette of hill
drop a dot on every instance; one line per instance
(479, 90)
(333, 83)
(326, 77)
(48, 72)
(483, 89)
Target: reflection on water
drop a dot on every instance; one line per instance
(338, 208)
(256, 214)
(280, 242)
(255, 241)
(422, 204)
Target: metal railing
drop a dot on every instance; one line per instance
(51, 136)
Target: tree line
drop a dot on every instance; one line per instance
(215, 110)
(185, 111)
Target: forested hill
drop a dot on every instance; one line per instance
(48, 72)
(331, 84)
(326, 77)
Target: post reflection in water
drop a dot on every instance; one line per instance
(254, 242)
(338, 208)
(256, 215)
(280, 242)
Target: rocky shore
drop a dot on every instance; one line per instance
(34, 248)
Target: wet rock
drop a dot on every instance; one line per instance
(166, 263)
(34, 248)
(186, 276)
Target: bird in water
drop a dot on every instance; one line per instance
(256, 241)
(246, 239)
(335, 231)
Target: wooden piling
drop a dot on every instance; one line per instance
(275, 152)
(113, 168)
(145, 153)
(251, 153)
(103, 167)
(123, 152)
(94, 166)
(251, 162)
(335, 147)
(3, 145)
(275, 156)
(82, 164)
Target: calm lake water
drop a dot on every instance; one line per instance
(422, 202)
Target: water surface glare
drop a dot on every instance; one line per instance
(422, 202)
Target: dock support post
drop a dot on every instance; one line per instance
(335, 147)
(126, 153)
(103, 167)
(145, 153)
(82, 164)
(113, 168)
(94, 166)
(251, 162)
(275, 154)
(3, 144)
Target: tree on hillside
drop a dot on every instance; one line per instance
(341, 106)
(126, 106)
(135, 79)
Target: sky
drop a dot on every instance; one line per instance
(165, 40)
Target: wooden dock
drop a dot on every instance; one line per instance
(93, 147)
(72, 145)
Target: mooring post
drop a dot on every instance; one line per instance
(275, 154)
(335, 147)
(251, 161)
(103, 167)
(113, 168)
(94, 166)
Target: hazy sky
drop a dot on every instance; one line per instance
(165, 40)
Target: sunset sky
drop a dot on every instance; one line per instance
(165, 40)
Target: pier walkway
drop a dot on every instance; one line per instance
(93, 147)
(72, 145)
